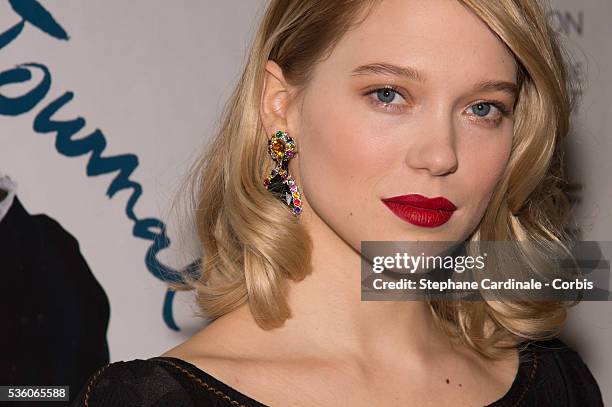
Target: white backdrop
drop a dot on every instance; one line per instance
(152, 76)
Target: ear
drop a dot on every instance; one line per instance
(274, 99)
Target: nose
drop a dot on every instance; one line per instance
(434, 148)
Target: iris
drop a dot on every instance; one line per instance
(481, 108)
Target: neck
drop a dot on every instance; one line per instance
(329, 320)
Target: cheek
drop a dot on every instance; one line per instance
(485, 173)
(339, 157)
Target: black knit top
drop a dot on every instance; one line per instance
(550, 374)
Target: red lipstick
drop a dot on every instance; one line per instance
(421, 211)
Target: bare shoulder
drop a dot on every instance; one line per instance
(501, 370)
(226, 338)
(227, 350)
(210, 348)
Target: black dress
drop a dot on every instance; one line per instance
(550, 374)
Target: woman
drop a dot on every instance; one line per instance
(343, 105)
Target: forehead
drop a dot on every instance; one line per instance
(441, 38)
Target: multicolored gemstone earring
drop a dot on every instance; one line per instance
(282, 148)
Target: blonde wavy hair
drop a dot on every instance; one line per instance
(245, 233)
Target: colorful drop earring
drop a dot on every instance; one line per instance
(279, 182)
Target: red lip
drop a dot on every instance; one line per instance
(421, 211)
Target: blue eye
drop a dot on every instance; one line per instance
(386, 95)
(483, 108)
(384, 98)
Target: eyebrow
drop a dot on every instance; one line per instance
(382, 68)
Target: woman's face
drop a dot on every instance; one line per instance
(440, 133)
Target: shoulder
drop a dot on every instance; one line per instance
(560, 373)
(133, 383)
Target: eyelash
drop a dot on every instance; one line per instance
(504, 111)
